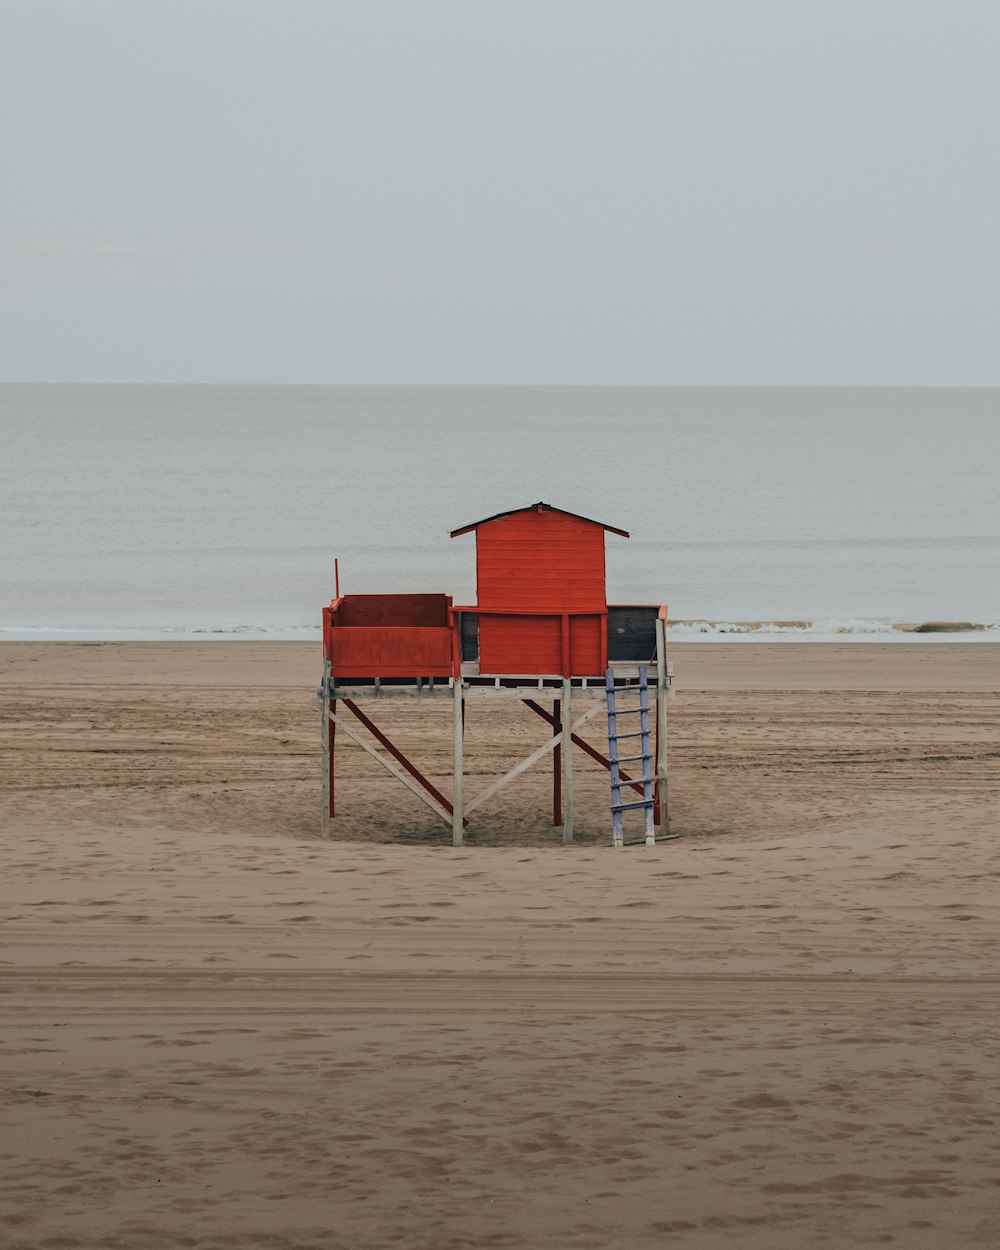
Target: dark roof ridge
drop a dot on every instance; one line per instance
(540, 506)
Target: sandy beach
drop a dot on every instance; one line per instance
(220, 1031)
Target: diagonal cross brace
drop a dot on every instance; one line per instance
(585, 746)
(398, 755)
(419, 785)
(525, 764)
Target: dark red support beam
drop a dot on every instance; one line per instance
(556, 765)
(584, 746)
(333, 766)
(400, 758)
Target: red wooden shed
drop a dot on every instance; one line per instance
(542, 598)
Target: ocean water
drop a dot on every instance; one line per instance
(217, 511)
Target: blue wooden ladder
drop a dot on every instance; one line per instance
(639, 737)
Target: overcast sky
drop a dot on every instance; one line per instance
(597, 191)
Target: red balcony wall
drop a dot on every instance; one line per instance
(391, 651)
(389, 636)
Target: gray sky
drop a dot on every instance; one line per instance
(619, 191)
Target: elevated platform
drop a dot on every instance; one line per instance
(477, 685)
(425, 646)
(416, 645)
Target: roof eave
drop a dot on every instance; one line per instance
(541, 506)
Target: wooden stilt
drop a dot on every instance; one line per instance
(333, 758)
(556, 767)
(456, 811)
(662, 795)
(324, 695)
(567, 761)
(657, 809)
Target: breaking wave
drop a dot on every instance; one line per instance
(838, 630)
(846, 630)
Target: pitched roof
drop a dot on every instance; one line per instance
(538, 507)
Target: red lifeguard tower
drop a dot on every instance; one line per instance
(541, 629)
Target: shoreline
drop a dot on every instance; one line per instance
(680, 632)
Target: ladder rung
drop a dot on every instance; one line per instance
(631, 759)
(624, 807)
(628, 711)
(639, 733)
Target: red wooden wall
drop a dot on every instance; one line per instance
(542, 560)
(538, 563)
(396, 610)
(367, 636)
(533, 644)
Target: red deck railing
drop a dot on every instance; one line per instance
(389, 636)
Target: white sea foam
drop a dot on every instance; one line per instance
(833, 631)
(678, 631)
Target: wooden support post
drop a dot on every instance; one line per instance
(333, 758)
(617, 817)
(567, 760)
(556, 767)
(456, 809)
(662, 795)
(324, 695)
(648, 783)
(657, 810)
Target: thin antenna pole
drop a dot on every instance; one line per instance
(336, 578)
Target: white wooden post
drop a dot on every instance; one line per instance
(567, 761)
(325, 721)
(457, 811)
(661, 725)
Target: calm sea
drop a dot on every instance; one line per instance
(169, 511)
